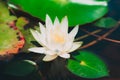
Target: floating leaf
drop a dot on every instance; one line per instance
(11, 40)
(20, 68)
(9, 19)
(77, 11)
(5, 16)
(106, 23)
(3, 10)
(87, 65)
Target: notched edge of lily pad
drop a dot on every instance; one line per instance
(15, 46)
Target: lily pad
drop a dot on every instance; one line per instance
(11, 40)
(78, 11)
(3, 10)
(5, 16)
(87, 65)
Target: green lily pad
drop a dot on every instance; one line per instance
(5, 16)
(87, 65)
(20, 68)
(3, 10)
(78, 11)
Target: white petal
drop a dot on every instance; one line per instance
(35, 35)
(39, 38)
(56, 22)
(64, 25)
(37, 49)
(48, 23)
(75, 46)
(65, 55)
(73, 33)
(42, 29)
(68, 45)
(49, 57)
(49, 52)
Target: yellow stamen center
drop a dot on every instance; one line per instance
(58, 38)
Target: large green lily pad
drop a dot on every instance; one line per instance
(87, 65)
(78, 11)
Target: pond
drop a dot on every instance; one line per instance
(108, 51)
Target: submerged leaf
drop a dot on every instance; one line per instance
(106, 23)
(20, 68)
(87, 65)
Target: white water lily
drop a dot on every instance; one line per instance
(55, 39)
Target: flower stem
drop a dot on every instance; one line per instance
(101, 38)
(107, 39)
(90, 33)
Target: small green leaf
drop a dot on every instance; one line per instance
(106, 23)
(87, 65)
(21, 22)
(20, 68)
